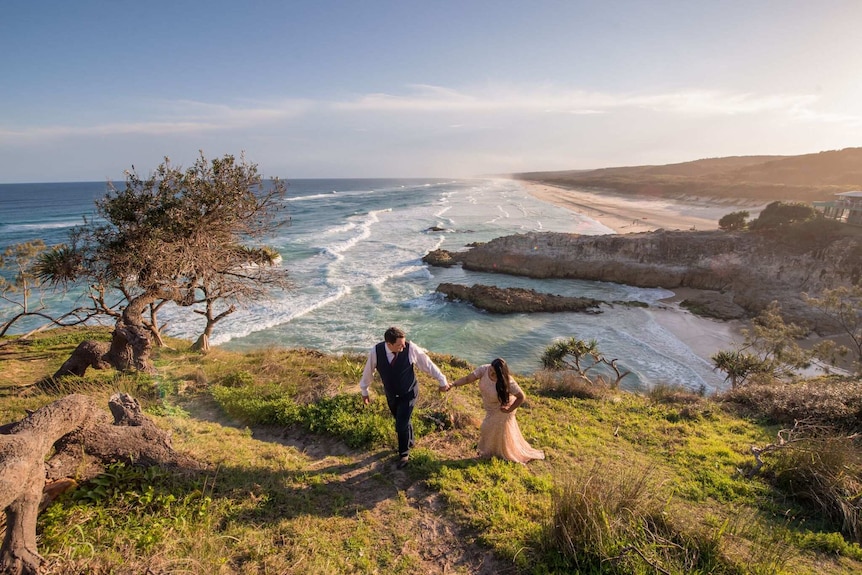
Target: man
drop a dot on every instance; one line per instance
(394, 359)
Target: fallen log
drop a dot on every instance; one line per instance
(82, 439)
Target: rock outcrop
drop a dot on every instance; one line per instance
(516, 300)
(750, 269)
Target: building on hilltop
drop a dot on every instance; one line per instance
(846, 207)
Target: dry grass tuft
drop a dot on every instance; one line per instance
(825, 472)
(569, 384)
(828, 401)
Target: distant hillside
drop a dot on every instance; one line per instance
(791, 178)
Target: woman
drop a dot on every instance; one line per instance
(501, 396)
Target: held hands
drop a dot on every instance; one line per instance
(455, 383)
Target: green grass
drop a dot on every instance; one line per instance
(300, 478)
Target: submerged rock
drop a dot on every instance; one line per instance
(439, 258)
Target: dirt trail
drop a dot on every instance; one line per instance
(441, 544)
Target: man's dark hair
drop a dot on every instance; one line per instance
(392, 334)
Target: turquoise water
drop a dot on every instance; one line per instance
(354, 249)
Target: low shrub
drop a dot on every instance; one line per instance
(827, 401)
(143, 505)
(831, 543)
(345, 417)
(674, 394)
(264, 405)
(237, 379)
(342, 416)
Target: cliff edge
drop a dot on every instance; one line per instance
(746, 271)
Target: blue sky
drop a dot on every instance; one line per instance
(433, 88)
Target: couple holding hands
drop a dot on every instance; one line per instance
(395, 359)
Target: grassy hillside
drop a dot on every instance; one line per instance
(302, 479)
(807, 177)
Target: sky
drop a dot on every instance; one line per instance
(420, 88)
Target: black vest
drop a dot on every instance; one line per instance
(398, 378)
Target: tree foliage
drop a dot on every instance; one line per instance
(18, 280)
(776, 342)
(23, 291)
(771, 347)
(778, 214)
(734, 221)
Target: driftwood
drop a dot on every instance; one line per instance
(81, 439)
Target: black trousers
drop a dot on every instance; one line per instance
(401, 407)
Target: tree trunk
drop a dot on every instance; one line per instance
(202, 344)
(129, 349)
(88, 354)
(62, 429)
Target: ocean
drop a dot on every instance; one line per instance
(353, 248)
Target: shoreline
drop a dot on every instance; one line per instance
(629, 213)
(632, 214)
(704, 336)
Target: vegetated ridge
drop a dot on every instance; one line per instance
(299, 478)
(807, 177)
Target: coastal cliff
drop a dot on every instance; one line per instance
(745, 271)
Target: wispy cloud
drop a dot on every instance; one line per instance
(176, 117)
(238, 115)
(423, 98)
(172, 118)
(717, 103)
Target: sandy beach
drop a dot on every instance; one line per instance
(629, 214)
(626, 214)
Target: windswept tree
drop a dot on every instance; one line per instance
(582, 357)
(178, 236)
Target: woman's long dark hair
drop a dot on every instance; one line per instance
(502, 371)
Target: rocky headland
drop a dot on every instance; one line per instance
(740, 273)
